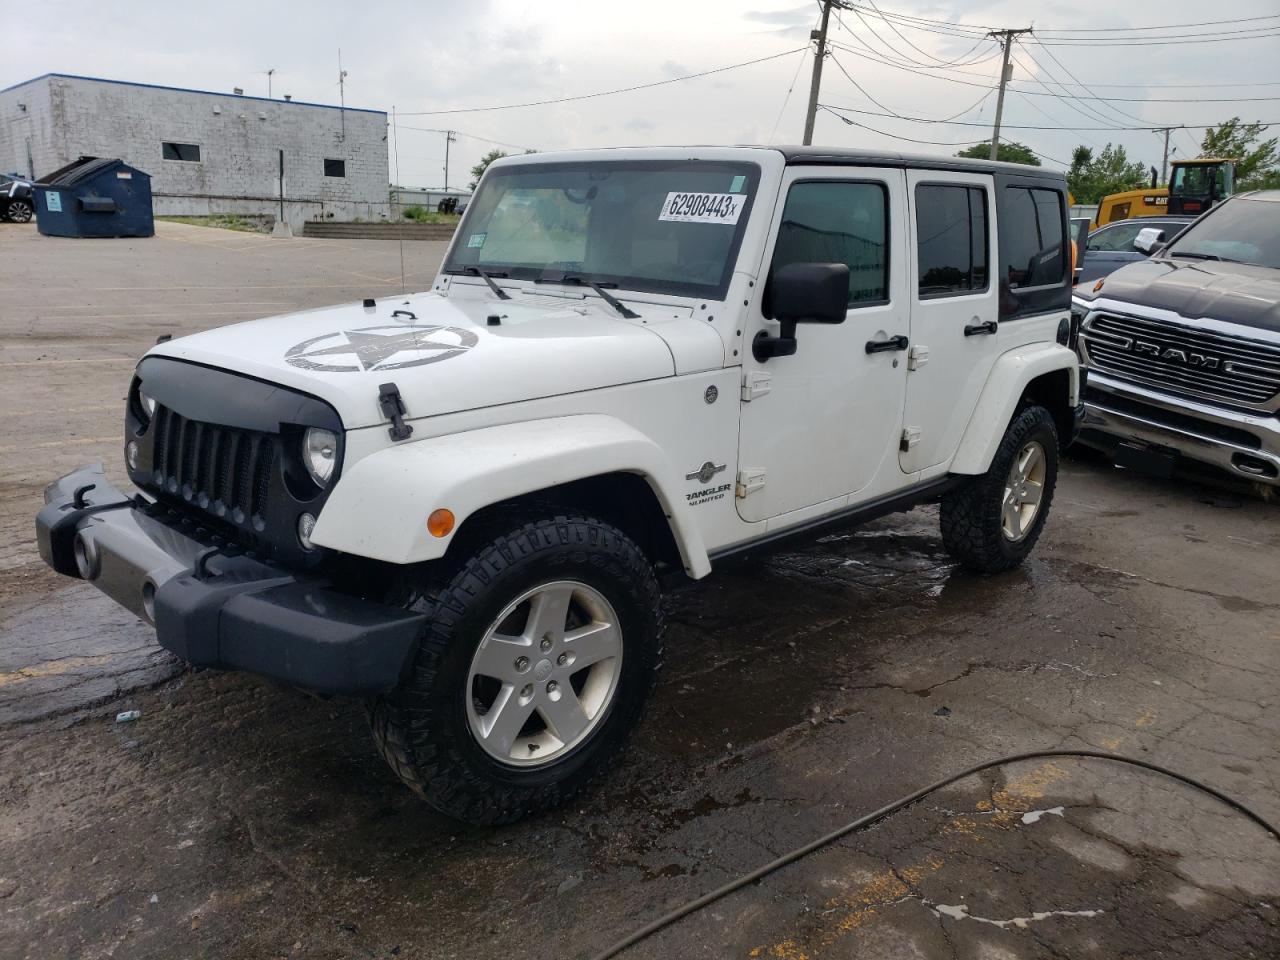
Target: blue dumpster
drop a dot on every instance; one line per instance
(95, 197)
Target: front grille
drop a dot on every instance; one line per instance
(1215, 366)
(223, 470)
(1170, 418)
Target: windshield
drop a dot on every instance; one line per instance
(1244, 230)
(659, 226)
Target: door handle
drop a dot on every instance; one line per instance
(978, 329)
(884, 346)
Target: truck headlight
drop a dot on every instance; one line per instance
(319, 453)
(148, 404)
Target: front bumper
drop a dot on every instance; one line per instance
(216, 609)
(1246, 445)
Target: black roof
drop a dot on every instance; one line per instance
(821, 156)
(80, 170)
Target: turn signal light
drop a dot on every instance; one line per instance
(440, 523)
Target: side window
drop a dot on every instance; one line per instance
(839, 222)
(1116, 238)
(1031, 239)
(951, 239)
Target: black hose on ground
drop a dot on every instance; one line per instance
(693, 906)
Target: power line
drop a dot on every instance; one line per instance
(1156, 43)
(849, 77)
(604, 93)
(1032, 93)
(787, 99)
(906, 40)
(973, 123)
(469, 136)
(908, 19)
(1166, 26)
(894, 136)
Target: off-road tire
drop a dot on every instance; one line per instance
(971, 513)
(421, 728)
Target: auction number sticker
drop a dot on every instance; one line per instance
(703, 207)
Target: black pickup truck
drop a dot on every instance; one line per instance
(1183, 349)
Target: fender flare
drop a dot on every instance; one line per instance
(380, 506)
(1003, 390)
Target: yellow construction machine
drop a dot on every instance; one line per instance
(1194, 187)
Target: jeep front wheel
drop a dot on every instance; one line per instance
(535, 665)
(991, 522)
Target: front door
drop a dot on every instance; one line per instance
(954, 311)
(823, 424)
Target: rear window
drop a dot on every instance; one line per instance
(1034, 271)
(1031, 237)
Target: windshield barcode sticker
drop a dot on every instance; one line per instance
(703, 207)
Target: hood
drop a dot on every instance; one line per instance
(1203, 289)
(442, 353)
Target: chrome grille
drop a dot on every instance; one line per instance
(1184, 359)
(223, 470)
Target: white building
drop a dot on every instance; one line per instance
(206, 152)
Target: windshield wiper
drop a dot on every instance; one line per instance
(1194, 256)
(488, 278)
(605, 295)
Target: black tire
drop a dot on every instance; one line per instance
(971, 514)
(19, 211)
(422, 728)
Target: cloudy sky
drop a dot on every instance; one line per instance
(431, 56)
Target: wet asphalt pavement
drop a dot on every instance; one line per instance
(236, 819)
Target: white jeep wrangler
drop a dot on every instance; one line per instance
(457, 504)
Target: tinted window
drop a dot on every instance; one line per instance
(951, 239)
(335, 168)
(181, 151)
(833, 222)
(1031, 238)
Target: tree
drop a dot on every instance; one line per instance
(478, 170)
(1257, 163)
(1093, 177)
(1006, 152)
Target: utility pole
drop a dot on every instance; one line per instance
(820, 53)
(1164, 164)
(448, 139)
(342, 94)
(269, 73)
(1007, 37)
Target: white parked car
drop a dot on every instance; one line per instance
(457, 503)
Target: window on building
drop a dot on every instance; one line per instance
(951, 239)
(839, 222)
(1031, 237)
(335, 168)
(190, 152)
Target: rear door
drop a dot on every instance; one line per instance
(954, 310)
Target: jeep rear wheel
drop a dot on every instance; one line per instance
(535, 665)
(991, 522)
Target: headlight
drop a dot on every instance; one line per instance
(319, 453)
(148, 404)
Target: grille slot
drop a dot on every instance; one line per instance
(1202, 363)
(223, 470)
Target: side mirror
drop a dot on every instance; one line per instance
(1148, 240)
(803, 293)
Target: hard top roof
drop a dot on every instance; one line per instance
(892, 158)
